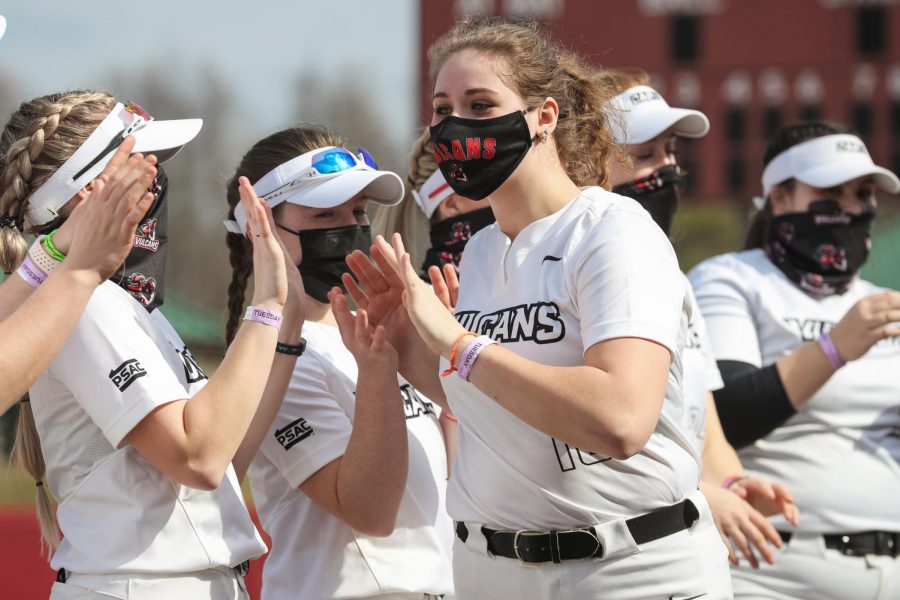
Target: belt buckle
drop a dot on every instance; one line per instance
(519, 533)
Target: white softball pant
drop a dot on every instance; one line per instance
(212, 584)
(805, 568)
(685, 565)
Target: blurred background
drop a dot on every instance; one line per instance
(249, 69)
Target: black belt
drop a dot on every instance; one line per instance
(533, 546)
(879, 543)
(240, 570)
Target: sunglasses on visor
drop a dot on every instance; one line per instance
(327, 162)
(141, 118)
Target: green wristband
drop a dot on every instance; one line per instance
(52, 250)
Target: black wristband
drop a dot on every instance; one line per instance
(297, 350)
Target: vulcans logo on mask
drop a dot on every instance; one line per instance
(127, 373)
(475, 148)
(145, 236)
(539, 322)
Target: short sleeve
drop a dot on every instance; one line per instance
(113, 366)
(627, 281)
(311, 429)
(723, 300)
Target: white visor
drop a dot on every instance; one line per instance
(641, 114)
(826, 162)
(434, 191)
(298, 182)
(162, 138)
(2, 26)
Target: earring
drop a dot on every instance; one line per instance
(544, 135)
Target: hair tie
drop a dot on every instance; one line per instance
(12, 222)
(38, 483)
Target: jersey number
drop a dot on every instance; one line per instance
(565, 455)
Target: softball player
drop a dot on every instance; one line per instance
(133, 442)
(808, 350)
(350, 480)
(648, 129)
(34, 326)
(570, 477)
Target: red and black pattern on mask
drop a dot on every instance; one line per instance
(450, 236)
(821, 250)
(143, 273)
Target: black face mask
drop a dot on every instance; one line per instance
(823, 249)
(143, 273)
(324, 256)
(450, 236)
(657, 193)
(476, 156)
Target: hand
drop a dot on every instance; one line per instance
(379, 291)
(445, 284)
(102, 226)
(871, 320)
(767, 497)
(270, 286)
(293, 308)
(427, 312)
(370, 348)
(742, 526)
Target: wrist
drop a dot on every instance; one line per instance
(264, 316)
(829, 348)
(729, 482)
(81, 276)
(269, 304)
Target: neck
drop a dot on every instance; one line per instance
(317, 312)
(533, 194)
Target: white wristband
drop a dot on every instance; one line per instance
(41, 257)
(258, 314)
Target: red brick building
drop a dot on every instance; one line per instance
(750, 65)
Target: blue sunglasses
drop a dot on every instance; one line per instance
(327, 162)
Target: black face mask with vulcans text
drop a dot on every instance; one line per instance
(823, 249)
(143, 273)
(657, 193)
(477, 156)
(450, 236)
(324, 256)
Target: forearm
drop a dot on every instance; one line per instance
(217, 418)
(273, 395)
(719, 458)
(582, 406)
(373, 470)
(13, 292)
(803, 372)
(419, 366)
(32, 335)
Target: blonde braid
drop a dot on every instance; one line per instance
(36, 141)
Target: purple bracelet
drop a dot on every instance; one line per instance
(262, 315)
(831, 352)
(470, 355)
(31, 273)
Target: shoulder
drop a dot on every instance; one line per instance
(111, 311)
(740, 267)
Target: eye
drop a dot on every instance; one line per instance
(328, 214)
(442, 110)
(480, 106)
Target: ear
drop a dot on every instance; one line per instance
(548, 115)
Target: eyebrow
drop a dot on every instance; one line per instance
(469, 92)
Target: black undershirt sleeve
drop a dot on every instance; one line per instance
(752, 403)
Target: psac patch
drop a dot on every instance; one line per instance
(293, 433)
(127, 373)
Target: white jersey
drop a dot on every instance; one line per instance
(839, 454)
(117, 512)
(315, 554)
(598, 269)
(701, 375)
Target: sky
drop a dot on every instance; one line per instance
(257, 47)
